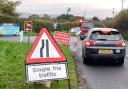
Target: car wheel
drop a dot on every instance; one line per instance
(121, 61)
(85, 60)
(81, 38)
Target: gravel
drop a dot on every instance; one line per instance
(82, 82)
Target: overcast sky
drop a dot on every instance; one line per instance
(100, 8)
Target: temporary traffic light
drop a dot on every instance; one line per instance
(81, 21)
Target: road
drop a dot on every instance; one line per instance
(16, 38)
(103, 75)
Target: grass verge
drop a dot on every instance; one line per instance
(12, 69)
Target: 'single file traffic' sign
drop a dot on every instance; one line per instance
(45, 60)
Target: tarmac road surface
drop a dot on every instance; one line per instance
(103, 75)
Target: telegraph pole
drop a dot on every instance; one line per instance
(69, 9)
(122, 4)
(113, 11)
(84, 14)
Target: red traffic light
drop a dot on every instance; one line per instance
(81, 20)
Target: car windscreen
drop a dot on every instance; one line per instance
(105, 36)
(87, 25)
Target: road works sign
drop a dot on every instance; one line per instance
(45, 60)
(61, 37)
(39, 72)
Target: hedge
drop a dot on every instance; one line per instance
(38, 24)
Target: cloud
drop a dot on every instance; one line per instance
(102, 8)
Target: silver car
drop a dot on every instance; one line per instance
(105, 44)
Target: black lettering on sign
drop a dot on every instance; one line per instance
(45, 69)
(56, 68)
(49, 74)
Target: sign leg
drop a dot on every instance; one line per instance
(58, 83)
(28, 39)
(69, 85)
(47, 84)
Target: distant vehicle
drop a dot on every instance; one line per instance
(105, 43)
(76, 30)
(84, 27)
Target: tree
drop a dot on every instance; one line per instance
(95, 18)
(64, 17)
(46, 17)
(107, 22)
(8, 10)
(120, 21)
(34, 16)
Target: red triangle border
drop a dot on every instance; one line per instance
(30, 60)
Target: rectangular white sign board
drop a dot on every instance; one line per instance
(42, 72)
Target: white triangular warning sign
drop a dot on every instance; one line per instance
(45, 49)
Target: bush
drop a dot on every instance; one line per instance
(107, 22)
(7, 19)
(98, 24)
(120, 21)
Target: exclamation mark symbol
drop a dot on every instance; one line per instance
(41, 49)
(47, 48)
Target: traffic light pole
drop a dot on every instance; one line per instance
(69, 9)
